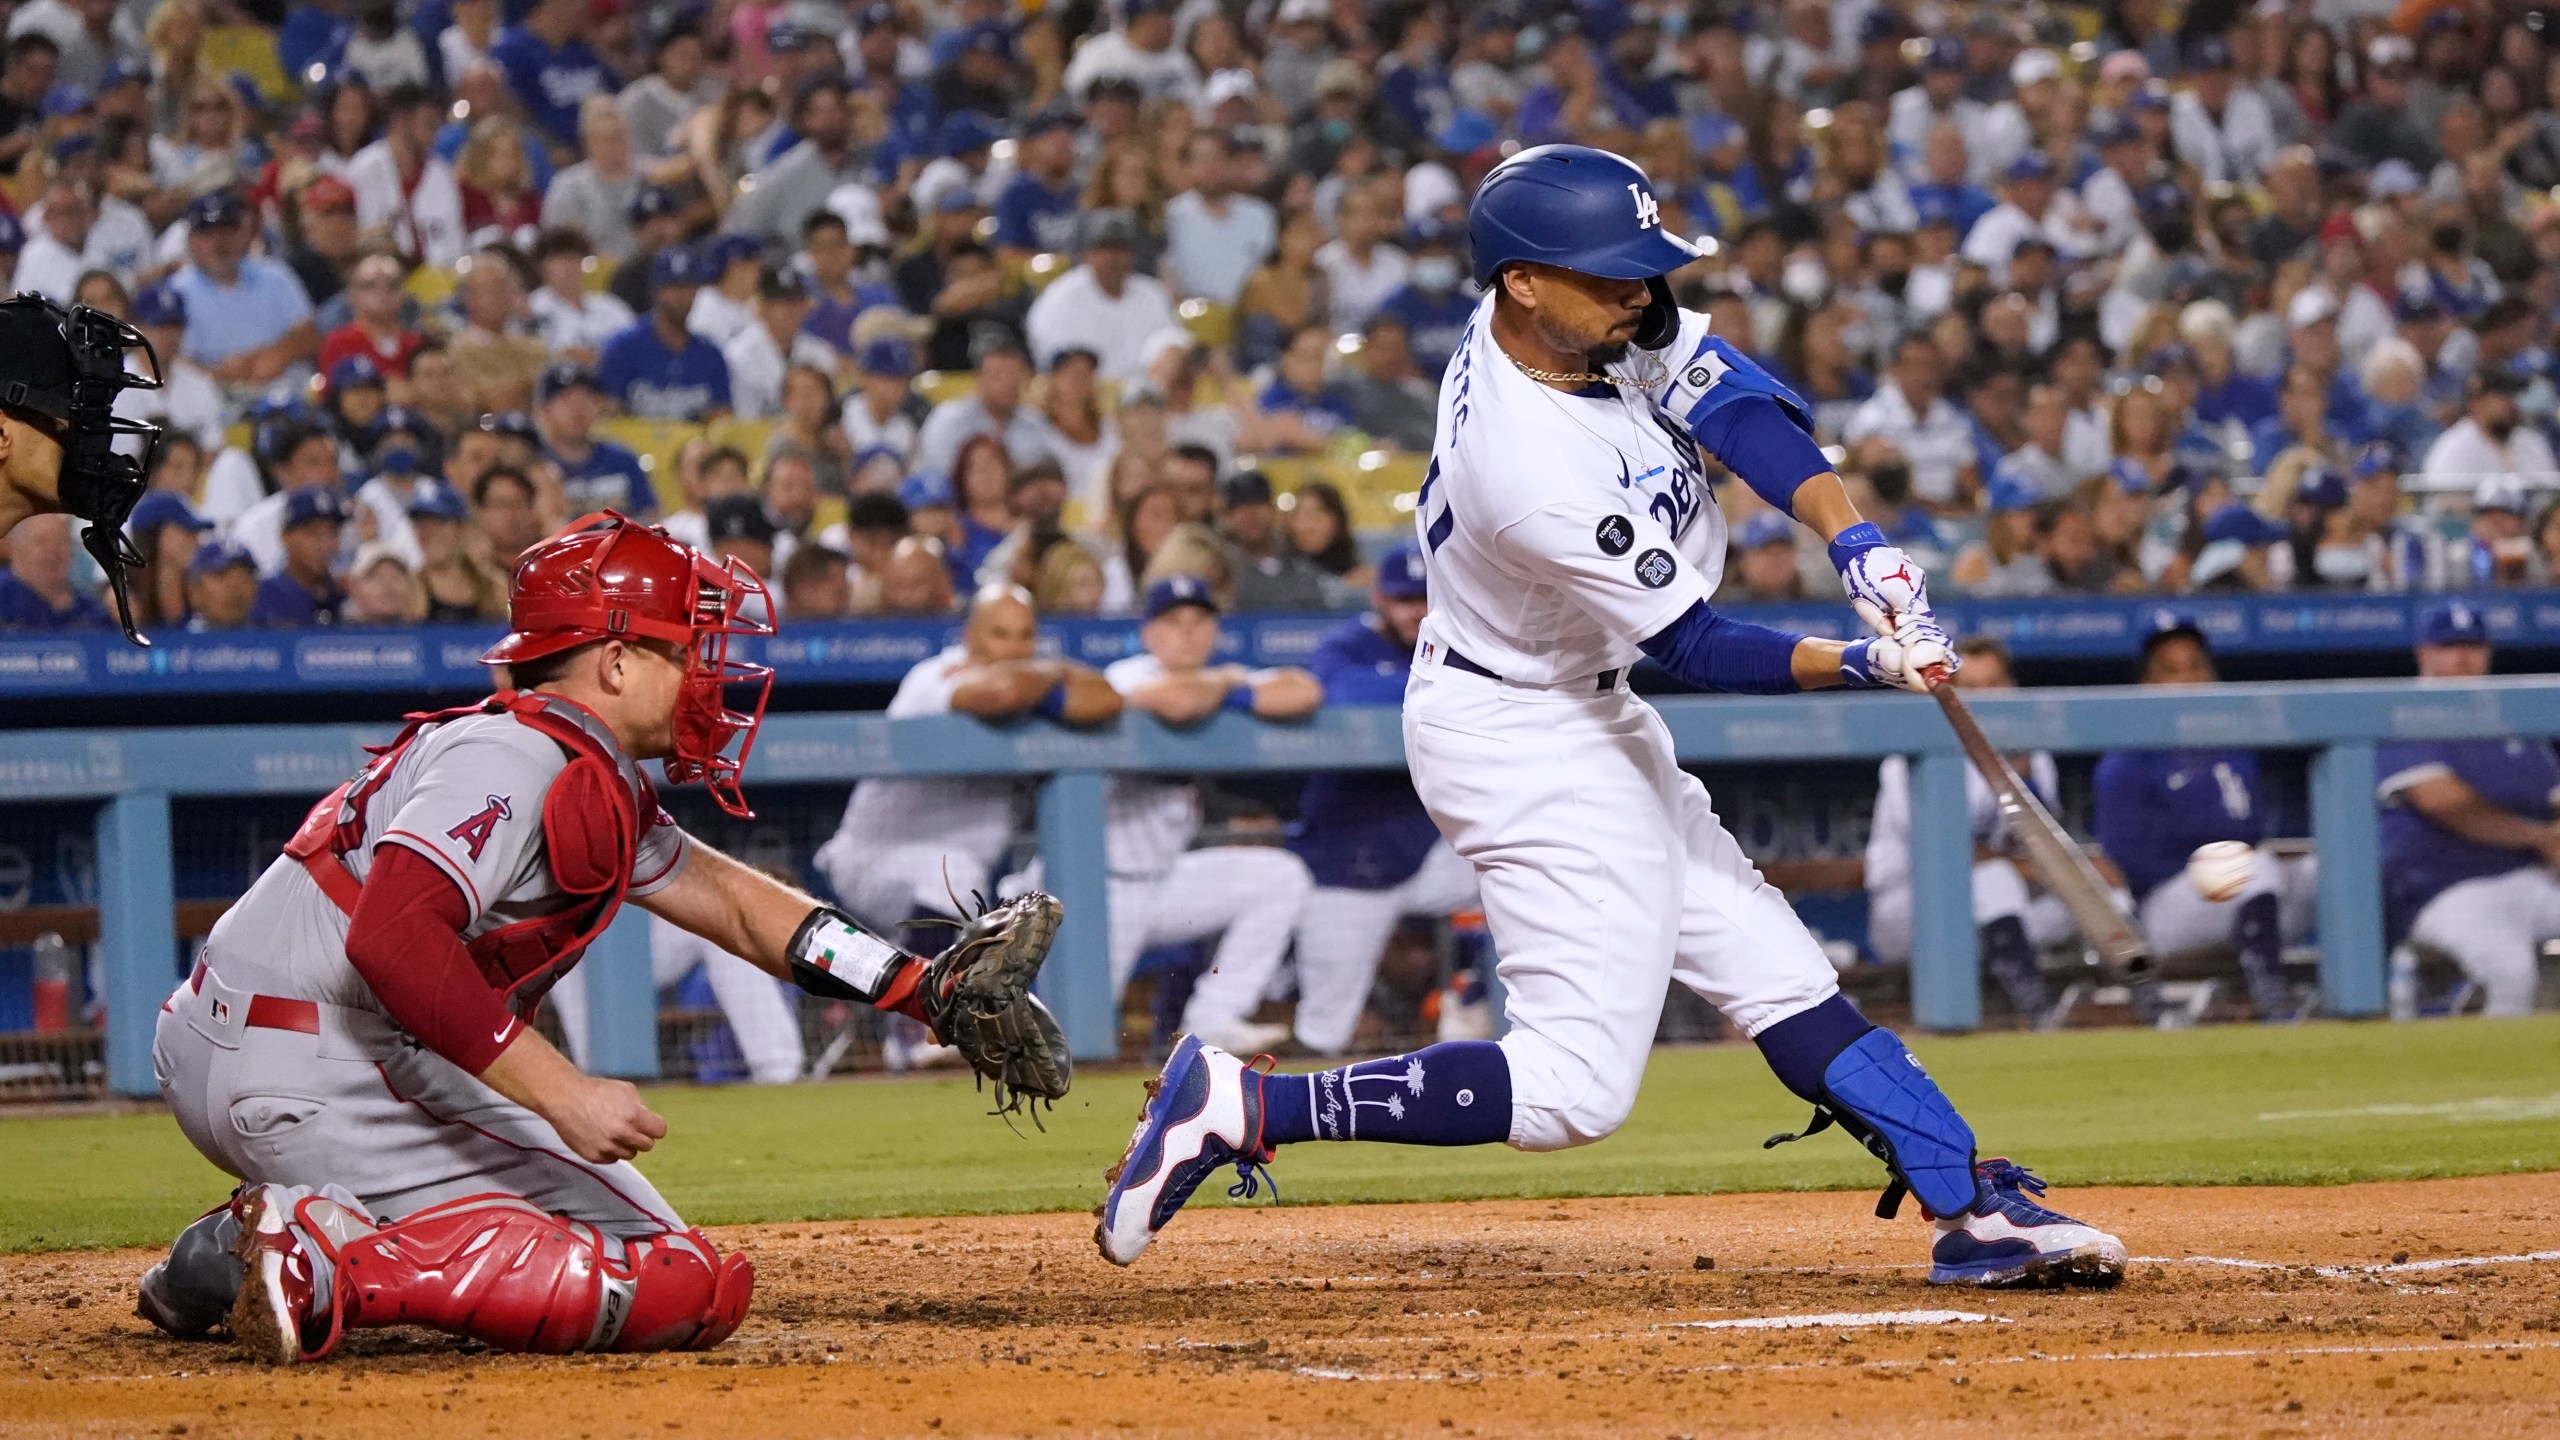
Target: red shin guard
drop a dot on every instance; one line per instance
(499, 1270)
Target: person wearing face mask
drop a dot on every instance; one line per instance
(2491, 440)
(1436, 299)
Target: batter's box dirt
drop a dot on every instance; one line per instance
(2424, 1308)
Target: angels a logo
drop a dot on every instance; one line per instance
(474, 833)
(1615, 536)
(1654, 569)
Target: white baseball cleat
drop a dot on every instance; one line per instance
(2009, 1242)
(1203, 1110)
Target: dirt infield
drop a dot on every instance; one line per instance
(2390, 1309)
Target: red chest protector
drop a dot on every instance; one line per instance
(591, 819)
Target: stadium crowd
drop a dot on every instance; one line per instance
(895, 300)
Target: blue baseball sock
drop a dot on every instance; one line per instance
(1804, 1044)
(1453, 1094)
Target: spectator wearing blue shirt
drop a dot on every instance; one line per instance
(658, 369)
(595, 474)
(1414, 91)
(2225, 395)
(2154, 808)
(1729, 194)
(829, 250)
(979, 76)
(1436, 303)
(2469, 838)
(305, 592)
(1946, 191)
(36, 592)
(222, 586)
(1374, 852)
(550, 69)
(1036, 211)
(249, 319)
(1302, 409)
(1581, 94)
(877, 40)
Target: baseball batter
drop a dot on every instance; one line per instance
(2469, 840)
(2155, 808)
(353, 1041)
(1374, 852)
(61, 371)
(1569, 530)
(2011, 925)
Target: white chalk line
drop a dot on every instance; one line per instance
(1843, 1320)
(1320, 1372)
(2454, 1262)
(2485, 1108)
(2397, 1267)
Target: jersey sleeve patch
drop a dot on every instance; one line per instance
(1655, 569)
(1615, 535)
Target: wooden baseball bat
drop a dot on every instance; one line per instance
(2057, 859)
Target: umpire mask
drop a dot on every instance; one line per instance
(64, 369)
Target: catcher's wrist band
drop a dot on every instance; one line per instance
(832, 956)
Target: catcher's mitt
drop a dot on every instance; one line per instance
(977, 997)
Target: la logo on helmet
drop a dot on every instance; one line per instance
(1648, 210)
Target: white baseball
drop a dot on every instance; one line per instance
(2220, 869)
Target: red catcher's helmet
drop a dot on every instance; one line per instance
(608, 577)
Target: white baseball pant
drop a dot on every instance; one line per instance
(884, 886)
(1252, 893)
(2493, 928)
(1999, 892)
(1343, 933)
(759, 1014)
(2176, 919)
(1605, 875)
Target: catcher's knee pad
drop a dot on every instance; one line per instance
(505, 1272)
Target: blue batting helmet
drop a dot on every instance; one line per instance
(1578, 209)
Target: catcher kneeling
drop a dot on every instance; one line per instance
(353, 1043)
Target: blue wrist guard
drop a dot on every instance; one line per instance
(1855, 541)
(1240, 698)
(1857, 666)
(1053, 706)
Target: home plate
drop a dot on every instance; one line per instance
(1841, 1321)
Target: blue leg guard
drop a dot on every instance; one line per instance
(1876, 1090)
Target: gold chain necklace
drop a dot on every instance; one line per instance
(1576, 378)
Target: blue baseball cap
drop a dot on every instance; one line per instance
(988, 37)
(2416, 307)
(925, 489)
(2123, 130)
(2322, 486)
(1881, 25)
(653, 201)
(1401, 575)
(952, 199)
(874, 17)
(1174, 591)
(562, 375)
(2237, 521)
(2453, 621)
(788, 37)
(1946, 56)
(316, 502)
(1048, 120)
(967, 130)
(1428, 231)
(159, 304)
(678, 265)
(2161, 621)
(64, 100)
(2030, 165)
(2006, 493)
(887, 355)
(2212, 52)
(436, 500)
(77, 143)
(13, 236)
(216, 208)
(354, 370)
(219, 554)
(163, 507)
(2377, 458)
(512, 425)
(1469, 131)
(402, 419)
(1766, 527)
(730, 247)
(124, 72)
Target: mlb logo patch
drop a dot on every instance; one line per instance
(1654, 569)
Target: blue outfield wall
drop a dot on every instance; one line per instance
(879, 652)
(134, 775)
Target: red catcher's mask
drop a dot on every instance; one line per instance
(608, 577)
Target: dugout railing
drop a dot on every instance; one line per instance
(134, 775)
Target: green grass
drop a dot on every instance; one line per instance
(2117, 1106)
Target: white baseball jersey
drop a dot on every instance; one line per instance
(972, 816)
(467, 794)
(1562, 529)
(1147, 821)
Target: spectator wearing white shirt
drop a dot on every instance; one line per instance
(187, 401)
(2221, 128)
(884, 412)
(1910, 410)
(763, 352)
(726, 306)
(2032, 204)
(995, 407)
(1103, 304)
(1361, 269)
(1139, 49)
(2112, 193)
(594, 196)
(402, 187)
(1938, 98)
(1214, 236)
(574, 321)
(2491, 442)
(2007, 129)
(467, 41)
(57, 246)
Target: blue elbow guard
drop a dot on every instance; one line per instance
(1876, 1090)
(1713, 652)
(1759, 441)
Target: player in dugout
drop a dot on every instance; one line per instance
(354, 1041)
